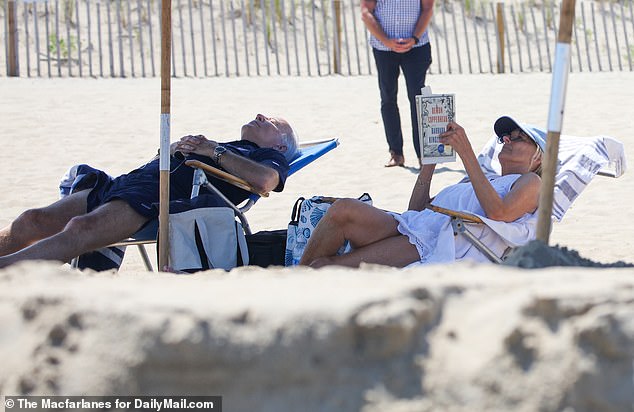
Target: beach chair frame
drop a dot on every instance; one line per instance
(614, 166)
(460, 222)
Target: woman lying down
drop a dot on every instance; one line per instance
(421, 235)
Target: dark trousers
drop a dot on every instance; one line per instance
(414, 64)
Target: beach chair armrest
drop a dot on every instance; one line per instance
(467, 217)
(224, 176)
(458, 220)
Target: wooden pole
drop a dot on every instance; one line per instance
(500, 31)
(555, 119)
(164, 182)
(13, 39)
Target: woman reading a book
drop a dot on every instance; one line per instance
(422, 235)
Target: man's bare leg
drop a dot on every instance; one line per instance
(107, 224)
(362, 225)
(40, 223)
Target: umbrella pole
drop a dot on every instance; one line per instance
(164, 162)
(555, 119)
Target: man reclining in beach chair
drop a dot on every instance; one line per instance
(263, 248)
(506, 202)
(114, 209)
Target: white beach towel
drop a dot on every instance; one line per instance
(580, 159)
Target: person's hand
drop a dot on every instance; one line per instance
(197, 144)
(173, 148)
(400, 45)
(457, 138)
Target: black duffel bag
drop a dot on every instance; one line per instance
(267, 248)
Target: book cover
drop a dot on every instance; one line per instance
(435, 111)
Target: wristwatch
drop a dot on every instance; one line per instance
(218, 152)
(416, 39)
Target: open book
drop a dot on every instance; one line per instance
(435, 111)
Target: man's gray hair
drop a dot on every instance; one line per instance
(291, 141)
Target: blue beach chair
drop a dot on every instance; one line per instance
(308, 153)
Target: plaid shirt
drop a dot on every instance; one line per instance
(398, 19)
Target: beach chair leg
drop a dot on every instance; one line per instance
(460, 228)
(145, 257)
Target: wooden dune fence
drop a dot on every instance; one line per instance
(115, 38)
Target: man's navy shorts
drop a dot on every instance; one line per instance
(139, 190)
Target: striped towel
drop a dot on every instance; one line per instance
(80, 177)
(580, 159)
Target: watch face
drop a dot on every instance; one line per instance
(218, 152)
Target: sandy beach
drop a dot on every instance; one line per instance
(50, 125)
(460, 337)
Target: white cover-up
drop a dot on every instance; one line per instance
(432, 233)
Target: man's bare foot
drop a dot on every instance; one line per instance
(395, 160)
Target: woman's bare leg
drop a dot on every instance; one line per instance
(394, 251)
(359, 223)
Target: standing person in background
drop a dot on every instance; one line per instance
(399, 40)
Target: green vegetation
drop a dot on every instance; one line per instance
(266, 5)
(277, 4)
(64, 48)
(549, 13)
(269, 33)
(521, 20)
(469, 7)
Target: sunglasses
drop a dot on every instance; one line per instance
(516, 135)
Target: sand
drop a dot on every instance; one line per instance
(455, 338)
(51, 124)
(450, 337)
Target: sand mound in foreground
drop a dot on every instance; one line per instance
(537, 254)
(446, 337)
